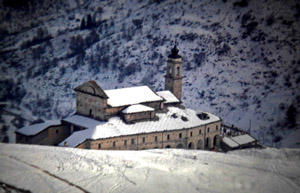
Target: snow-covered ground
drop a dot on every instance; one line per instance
(55, 169)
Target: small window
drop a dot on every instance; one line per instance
(143, 139)
(99, 146)
(208, 130)
(191, 134)
(155, 138)
(168, 137)
(132, 141)
(200, 132)
(178, 70)
(180, 135)
(125, 142)
(57, 131)
(114, 144)
(217, 128)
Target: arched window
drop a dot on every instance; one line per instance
(90, 113)
(170, 70)
(178, 70)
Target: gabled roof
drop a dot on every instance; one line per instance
(82, 121)
(37, 128)
(228, 141)
(137, 109)
(115, 126)
(168, 96)
(131, 96)
(243, 139)
(91, 87)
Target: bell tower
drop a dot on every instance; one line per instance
(173, 77)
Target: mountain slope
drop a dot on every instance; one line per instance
(240, 59)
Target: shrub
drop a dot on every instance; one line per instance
(91, 38)
(42, 35)
(199, 58)
(138, 23)
(224, 49)
(270, 20)
(242, 3)
(77, 45)
(291, 114)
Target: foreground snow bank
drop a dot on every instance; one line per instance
(57, 169)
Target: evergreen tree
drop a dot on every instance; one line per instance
(82, 25)
(291, 115)
(89, 22)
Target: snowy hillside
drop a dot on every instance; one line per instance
(53, 169)
(241, 58)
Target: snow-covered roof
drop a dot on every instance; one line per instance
(230, 142)
(136, 109)
(36, 128)
(168, 96)
(185, 118)
(243, 139)
(130, 96)
(83, 121)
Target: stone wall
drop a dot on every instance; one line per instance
(139, 116)
(91, 106)
(52, 135)
(192, 138)
(158, 105)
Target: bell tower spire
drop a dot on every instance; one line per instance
(173, 77)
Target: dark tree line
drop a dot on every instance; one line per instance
(78, 44)
(90, 23)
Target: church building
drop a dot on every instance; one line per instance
(133, 118)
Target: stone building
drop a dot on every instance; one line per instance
(138, 118)
(48, 133)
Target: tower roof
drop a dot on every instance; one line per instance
(174, 53)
